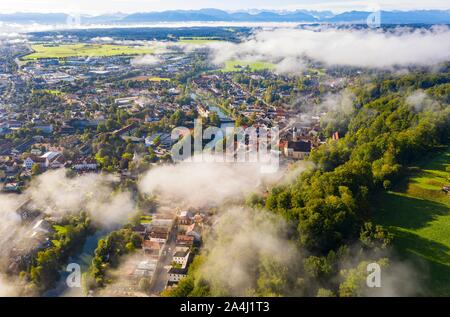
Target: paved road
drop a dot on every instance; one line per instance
(160, 278)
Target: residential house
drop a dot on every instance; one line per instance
(34, 159)
(152, 248)
(54, 160)
(176, 274)
(181, 256)
(185, 241)
(165, 140)
(184, 220)
(159, 234)
(85, 164)
(195, 230)
(298, 150)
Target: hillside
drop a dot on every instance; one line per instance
(418, 214)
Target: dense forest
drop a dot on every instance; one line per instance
(151, 33)
(329, 208)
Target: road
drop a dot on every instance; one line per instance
(160, 278)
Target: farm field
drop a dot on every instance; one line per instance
(418, 214)
(237, 65)
(79, 50)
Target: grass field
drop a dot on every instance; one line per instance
(146, 219)
(53, 92)
(82, 50)
(418, 214)
(237, 65)
(158, 79)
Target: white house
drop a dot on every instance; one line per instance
(85, 164)
(33, 159)
(181, 256)
(176, 274)
(36, 152)
(28, 163)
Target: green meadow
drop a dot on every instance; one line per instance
(53, 92)
(146, 219)
(81, 50)
(238, 65)
(418, 214)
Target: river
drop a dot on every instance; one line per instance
(83, 258)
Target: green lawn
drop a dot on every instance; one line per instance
(158, 79)
(146, 219)
(53, 92)
(81, 50)
(238, 65)
(418, 214)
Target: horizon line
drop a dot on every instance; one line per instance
(255, 11)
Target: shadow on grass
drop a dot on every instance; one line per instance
(407, 212)
(430, 259)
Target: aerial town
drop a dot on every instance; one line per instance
(97, 114)
(85, 107)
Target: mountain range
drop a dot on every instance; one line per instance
(215, 15)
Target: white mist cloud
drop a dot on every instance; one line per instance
(419, 101)
(291, 65)
(233, 252)
(8, 288)
(104, 39)
(398, 277)
(57, 195)
(145, 60)
(342, 102)
(204, 183)
(350, 47)
(12, 232)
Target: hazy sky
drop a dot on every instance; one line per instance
(105, 6)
